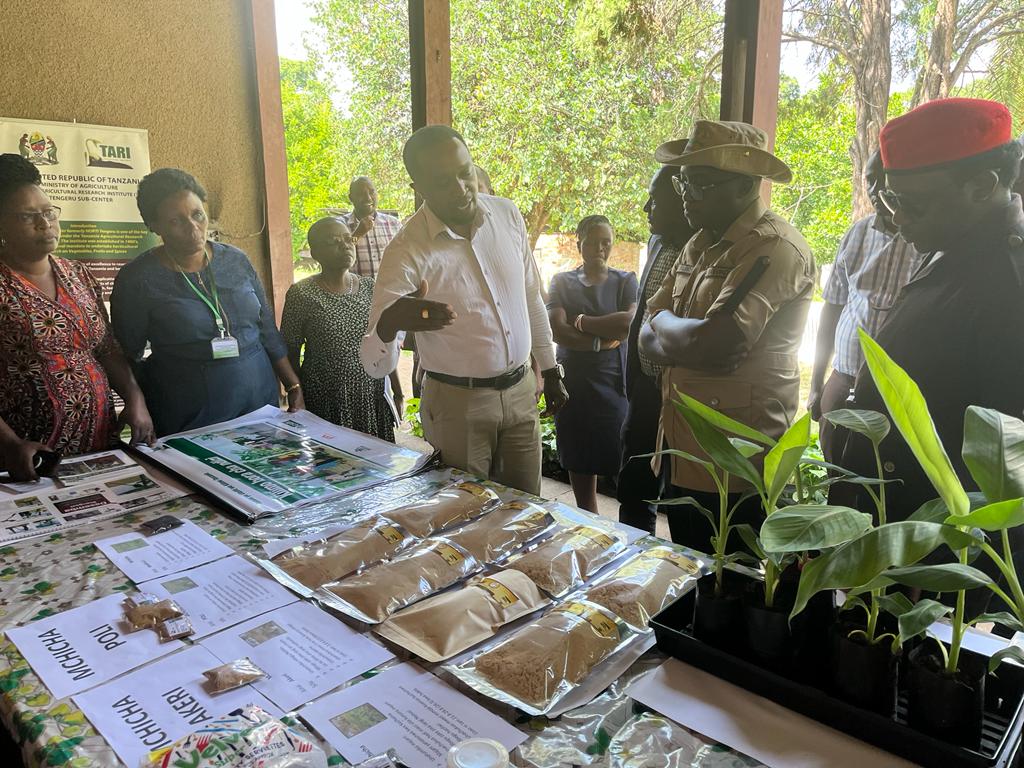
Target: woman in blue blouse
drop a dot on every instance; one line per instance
(216, 353)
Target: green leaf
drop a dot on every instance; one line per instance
(872, 424)
(1003, 618)
(895, 604)
(749, 536)
(812, 526)
(915, 621)
(745, 447)
(721, 421)
(862, 560)
(909, 412)
(783, 458)
(1014, 652)
(994, 452)
(941, 577)
(992, 517)
(721, 451)
(681, 454)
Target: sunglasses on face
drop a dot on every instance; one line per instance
(697, 191)
(895, 202)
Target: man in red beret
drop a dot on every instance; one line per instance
(957, 327)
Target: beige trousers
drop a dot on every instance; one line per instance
(489, 433)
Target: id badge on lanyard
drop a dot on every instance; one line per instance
(225, 346)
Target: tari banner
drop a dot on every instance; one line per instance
(91, 172)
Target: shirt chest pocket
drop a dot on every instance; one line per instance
(707, 286)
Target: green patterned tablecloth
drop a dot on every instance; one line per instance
(43, 576)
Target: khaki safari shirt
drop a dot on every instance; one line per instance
(764, 391)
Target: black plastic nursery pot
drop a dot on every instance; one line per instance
(864, 675)
(1002, 716)
(769, 637)
(951, 707)
(718, 619)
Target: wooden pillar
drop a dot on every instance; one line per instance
(430, 62)
(277, 234)
(752, 50)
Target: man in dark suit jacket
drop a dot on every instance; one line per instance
(669, 233)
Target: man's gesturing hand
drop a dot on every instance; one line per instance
(414, 313)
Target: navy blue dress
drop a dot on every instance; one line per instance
(588, 427)
(185, 387)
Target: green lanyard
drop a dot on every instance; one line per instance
(215, 307)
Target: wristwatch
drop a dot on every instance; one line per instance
(558, 372)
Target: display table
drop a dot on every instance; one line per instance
(50, 574)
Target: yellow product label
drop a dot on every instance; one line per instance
(536, 518)
(516, 505)
(391, 534)
(502, 595)
(451, 555)
(601, 623)
(475, 488)
(603, 540)
(676, 558)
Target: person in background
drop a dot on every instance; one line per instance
(728, 320)
(483, 181)
(873, 264)
(590, 309)
(461, 275)
(327, 314)
(670, 231)
(216, 352)
(371, 229)
(59, 355)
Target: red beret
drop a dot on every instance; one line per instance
(943, 131)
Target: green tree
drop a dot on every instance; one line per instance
(311, 126)
(552, 102)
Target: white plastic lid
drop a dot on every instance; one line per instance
(478, 753)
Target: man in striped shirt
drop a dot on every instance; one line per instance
(372, 230)
(872, 265)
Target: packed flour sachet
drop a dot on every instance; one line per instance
(569, 558)
(502, 531)
(444, 625)
(543, 662)
(318, 562)
(453, 504)
(376, 593)
(647, 583)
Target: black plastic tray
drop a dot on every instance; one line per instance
(1004, 710)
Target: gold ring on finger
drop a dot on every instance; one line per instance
(425, 314)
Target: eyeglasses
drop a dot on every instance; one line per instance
(697, 191)
(894, 202)
(48, 215)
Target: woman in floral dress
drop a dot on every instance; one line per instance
(327, 314)
(58, 355)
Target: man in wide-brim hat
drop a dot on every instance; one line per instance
(729, 318)
(958, 327)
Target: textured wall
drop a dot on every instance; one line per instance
(182, 69)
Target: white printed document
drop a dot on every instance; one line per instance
(160, 703)
(85, 646)
(407, 709)
(305, 652)
(143, 557)
(222, 593)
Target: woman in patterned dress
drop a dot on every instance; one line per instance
(59, 357)
(328, 314)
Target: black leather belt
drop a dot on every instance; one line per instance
(504, 381)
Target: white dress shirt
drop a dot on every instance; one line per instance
(490, 280)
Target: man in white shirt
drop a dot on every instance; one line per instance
(484, 316)
(873, 263)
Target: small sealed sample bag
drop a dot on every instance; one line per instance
(502, 531)
(318, 562)
(148, 611)
(454, 504)
(545, 660)
(569, 558)
(646, 584)
(231, 675)
(246, 738)
(375, 594)
(448, 624)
